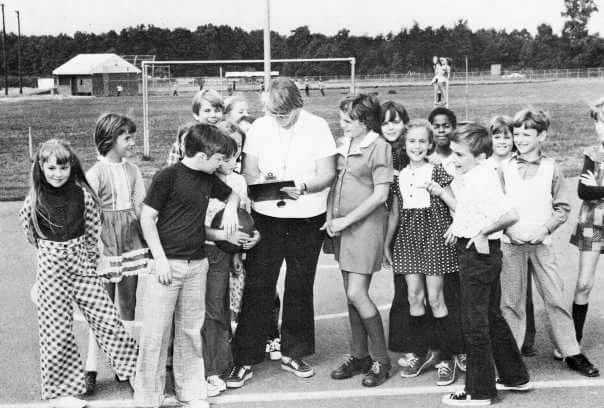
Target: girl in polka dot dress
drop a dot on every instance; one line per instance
(418, 221)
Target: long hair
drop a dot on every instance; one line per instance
(61, 150)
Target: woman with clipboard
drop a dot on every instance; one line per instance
(294, 147)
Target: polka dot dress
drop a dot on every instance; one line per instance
(419, 246)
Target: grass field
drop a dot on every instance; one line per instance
(74, 118)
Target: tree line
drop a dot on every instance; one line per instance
(409, 50)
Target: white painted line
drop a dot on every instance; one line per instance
(326, 395)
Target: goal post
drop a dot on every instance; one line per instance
(151, 64)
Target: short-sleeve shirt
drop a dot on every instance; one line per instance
(180, 195)
(291, 154)
(480, 202)
(119, 186)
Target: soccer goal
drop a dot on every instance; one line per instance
(161, 80)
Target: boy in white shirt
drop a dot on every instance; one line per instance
(481, 214)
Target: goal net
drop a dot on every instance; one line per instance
(168, 86)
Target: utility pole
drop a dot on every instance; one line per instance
(4, 52)
(267, 45)
(19, 52)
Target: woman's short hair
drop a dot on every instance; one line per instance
(283, 96)
(364, 108)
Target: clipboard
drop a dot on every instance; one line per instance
(269, 191)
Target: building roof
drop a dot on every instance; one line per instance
(88, 64)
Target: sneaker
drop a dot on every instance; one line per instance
(215, 385)
(238, 376)
(461, 361)
(377, 375)
(527, 386)
(352, 366)
(67, 402)
(273, 348)
(582, 365)
(557, 355)
(529, 351)
(445, 374)
(413, 366)
(90, 380)
(198, 403)
(461, 399)
(297, 367)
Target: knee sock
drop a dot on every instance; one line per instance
(129, 327)
(93, 352)
(579, 315)
(375, 329)
(418, 343)
(446, 331)
(359, 347)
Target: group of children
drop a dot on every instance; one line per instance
(460, 212)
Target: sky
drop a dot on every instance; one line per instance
(369, 17)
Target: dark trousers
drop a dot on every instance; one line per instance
(489, 340)
(399, 339)
(297, 241)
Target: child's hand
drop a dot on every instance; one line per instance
(237, 264)
(481, 243)
(588, 179)
(536, 237)
(450, 239)
(516, 239)
(387, 255)
(163, 271)
(293, 192)
(434, 188)
(238, 238)
(246, 204)
(250, 243)
(327, 228)
(338, 225)
(434, 159)
(230, 220)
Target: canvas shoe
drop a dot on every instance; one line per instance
(414, 364)
(238, 376)
(461, 361)
(297, 367)
(527, 386)
(351, 367)
(461, 399)
(215, 385)
(67, 402)
(445, 372)
(273, 349)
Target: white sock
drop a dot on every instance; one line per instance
(129, 327)
(93, 352)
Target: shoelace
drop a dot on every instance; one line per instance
(459, 395)
(410, 362)
(375, 367)
(443, 369)
(348, 360)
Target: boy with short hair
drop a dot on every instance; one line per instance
(482, 213)
(537, 188)
(172, 220)
(443, 122)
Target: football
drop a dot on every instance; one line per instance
(246, 224)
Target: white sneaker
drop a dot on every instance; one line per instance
(67, 402)
(199, 403)
(273, 348)
(215, 385)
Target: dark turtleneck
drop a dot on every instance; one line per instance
(63, 211)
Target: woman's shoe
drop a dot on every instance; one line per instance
(90, 380)
(352, 366)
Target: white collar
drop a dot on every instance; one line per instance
(367, 141)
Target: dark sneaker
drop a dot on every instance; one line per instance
(529, 351)
(445, 374)
(90, 380)
(461, 361)
(238, 376)
(352, 366)
(582, 365)
(377, 375)
(413, 365)
(297, 367)
(527, 386)
(461, 399)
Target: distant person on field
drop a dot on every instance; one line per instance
(306, 87)
(120, 187)
(321, 86)
(589, 234)
(173, 224)
(536, 187)
(207, 107)
(119, 89)
(61, 217)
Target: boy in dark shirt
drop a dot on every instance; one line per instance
(172, 220)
